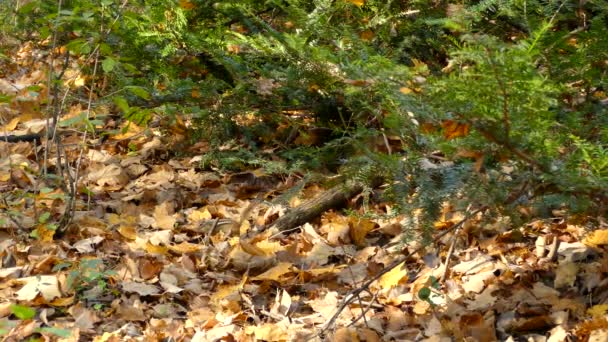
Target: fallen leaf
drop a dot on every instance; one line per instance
(359, 229)
(185, 247)
(394, 277)
(87, 245)
(270, 332)
(140, 288)
(565, 275)
(45, 285)
(276, 272)
(597, 238)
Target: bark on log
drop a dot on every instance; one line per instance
(313, 208)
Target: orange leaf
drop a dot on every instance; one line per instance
(358, 3)
(186, 4)
(427, 127)
(442, 225)
(196, 93)
(453, 129)
(367, 35)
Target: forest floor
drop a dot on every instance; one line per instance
(159, 249)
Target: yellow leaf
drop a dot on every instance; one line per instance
(315, 272)
(394, 277)
(358, 3)
(598, 311)
(359, 229)
(269, 247)
(185, 247)
(128, 231)
(229, 294)
(405, 90)
(251, 248)
(276, 272)
(79, 81)
(44, 234)
(5, 176)
(11, 125)
(597, 238)
(270, 332)
(200, 215)
(152, 249)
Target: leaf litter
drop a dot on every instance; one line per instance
(160, 249)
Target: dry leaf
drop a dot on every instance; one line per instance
(270, 332)
(45, 285)
(276, 273)
(453, 129)
(394, 277)
(127, 231)
(598, 311)
(565, 275)
(140, 288)
(359, 229)
(185, 247)
(597, 238)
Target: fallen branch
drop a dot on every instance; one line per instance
(313, 208)
(353, 294)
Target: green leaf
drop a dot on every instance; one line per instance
(139, 91)
(121, 103)
(78, 46)
(434, 282)
(23, 312)
(5, 98)
(44, 217)
(46, 190)
(424, 293)
(73, 121)
(108, 64)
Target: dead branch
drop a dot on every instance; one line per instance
(313, 208)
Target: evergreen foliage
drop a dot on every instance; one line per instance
(510, 95)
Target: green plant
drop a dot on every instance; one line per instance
(86, 275)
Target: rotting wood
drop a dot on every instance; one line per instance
(313, 208)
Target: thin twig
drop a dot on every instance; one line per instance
(451, 252)
(449, 256)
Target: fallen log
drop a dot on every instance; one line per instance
(313, 208)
